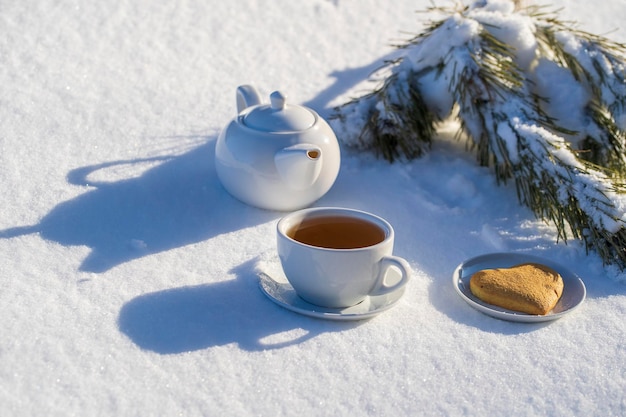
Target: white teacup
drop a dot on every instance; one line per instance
(336, 257)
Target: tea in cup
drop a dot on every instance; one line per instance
(336, 257)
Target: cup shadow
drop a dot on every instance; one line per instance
(178, 202)
(199, 317)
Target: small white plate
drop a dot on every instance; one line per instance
(283, 294)
(574, 291)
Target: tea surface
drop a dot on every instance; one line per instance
(337, 232)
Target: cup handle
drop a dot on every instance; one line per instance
(385, 263)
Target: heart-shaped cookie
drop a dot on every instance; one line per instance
(529, 288)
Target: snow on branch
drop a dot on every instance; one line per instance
(541, 102)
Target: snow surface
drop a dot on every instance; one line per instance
(128, 273)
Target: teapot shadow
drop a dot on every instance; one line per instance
(344, 81)
(176, 203)
(199, 317)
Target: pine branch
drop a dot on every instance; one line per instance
(462, 58)
(568, 192)
(516, 136)
(598, 64)
(395, 121)
(549, 178)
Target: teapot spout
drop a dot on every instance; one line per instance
(299, 166)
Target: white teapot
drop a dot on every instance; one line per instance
(279, 156)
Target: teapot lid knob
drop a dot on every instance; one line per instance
(277, 100)
(278, 116)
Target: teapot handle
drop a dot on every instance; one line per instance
(247, 96)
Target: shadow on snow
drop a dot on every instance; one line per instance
(176, 203)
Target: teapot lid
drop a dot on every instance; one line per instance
(279, 116)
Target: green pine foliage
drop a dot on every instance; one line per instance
(570, 177)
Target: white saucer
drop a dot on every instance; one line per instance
(283, 294)
(574, 291)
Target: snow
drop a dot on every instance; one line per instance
(128, 273)
(566, 96)
(514, 29)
